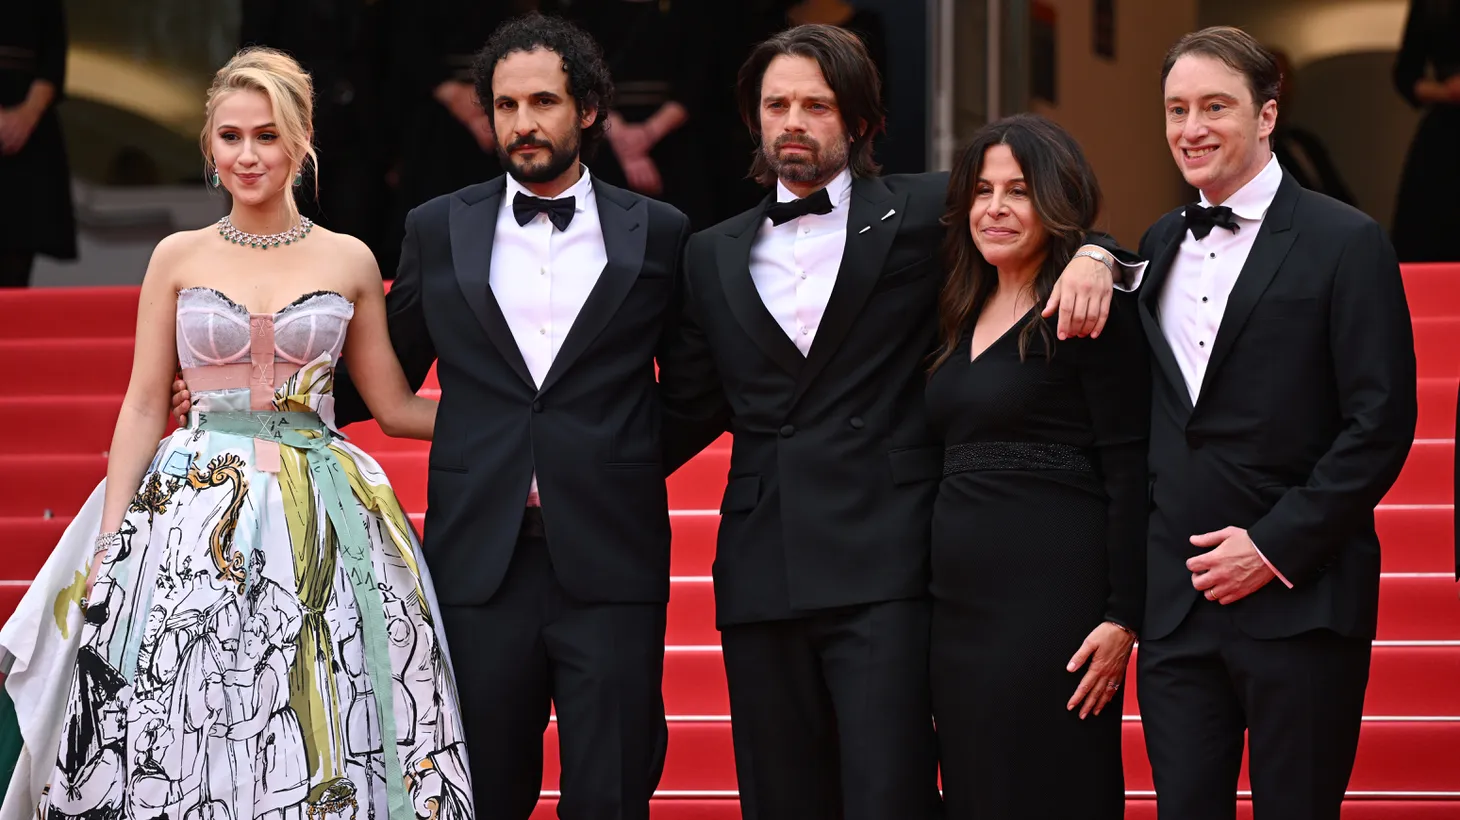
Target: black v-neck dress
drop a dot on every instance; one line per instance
(1038, 536)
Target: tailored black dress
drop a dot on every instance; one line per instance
(1038, 536)
(1426, 210)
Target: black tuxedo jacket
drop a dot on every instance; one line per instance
(1303, 421)
(834, 468)
(591, 431)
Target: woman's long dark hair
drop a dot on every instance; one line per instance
(1066, 198)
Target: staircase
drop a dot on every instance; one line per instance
(69, 354)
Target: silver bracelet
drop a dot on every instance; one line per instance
(1099, 256)
(106, 541)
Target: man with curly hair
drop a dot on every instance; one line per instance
(542, 295)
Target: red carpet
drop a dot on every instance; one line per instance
(55, 426)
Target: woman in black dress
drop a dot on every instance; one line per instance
(1039, 527)
(36, 216)
(1427, 74)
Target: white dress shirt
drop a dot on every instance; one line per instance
(541, 276)
(794, 265)
(1204, 272)
(1202, 276)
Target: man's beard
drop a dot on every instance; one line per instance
(816, 166)
(560, 158)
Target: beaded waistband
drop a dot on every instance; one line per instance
(1014, 455)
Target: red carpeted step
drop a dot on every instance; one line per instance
(676, 808)
(1393, 756)
(60, 483)
(80, 312)
(71, 365)
(1437, 398)
(1411, 608)
(1428, 476)
(1356, 807)
(1434, 346)
(1136, 808)
(1416, 539)
(1431, 289)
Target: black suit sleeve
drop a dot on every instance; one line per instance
(695, 409)
(409, 334)
(1371, 342)
(1115, 374)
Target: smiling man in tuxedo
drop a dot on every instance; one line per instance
(1283, 408)
(807, 321)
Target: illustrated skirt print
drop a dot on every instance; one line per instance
(225, 670)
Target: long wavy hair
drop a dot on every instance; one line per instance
(1066, 199)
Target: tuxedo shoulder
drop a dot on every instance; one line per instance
(931, 183)
(1325, 211)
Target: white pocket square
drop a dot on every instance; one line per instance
(864, 230)
(889, 213)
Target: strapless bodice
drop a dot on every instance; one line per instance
(287, 358)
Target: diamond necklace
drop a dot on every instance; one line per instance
(289, 237)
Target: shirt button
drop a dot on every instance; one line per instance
(1213, 256)
(1203, 298)
(542, 271)
(805, 331)
(1201, 344)
(542, 332)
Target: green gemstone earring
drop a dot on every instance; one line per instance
(298, 178)
(214, 180)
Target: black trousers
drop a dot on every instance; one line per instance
(601, 666)
(832, 715)
(15, 267)
(1300, 700)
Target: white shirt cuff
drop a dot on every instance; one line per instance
(1270, 566)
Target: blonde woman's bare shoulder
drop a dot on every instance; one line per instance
(176, 250)
(354, 258)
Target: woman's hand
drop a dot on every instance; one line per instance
(1107, 649)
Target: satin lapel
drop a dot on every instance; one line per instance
(473, 227)
(862, 261)
(1150, 301)
(625, 224)
(732, 257)
(1274, 238)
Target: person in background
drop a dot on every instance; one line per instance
(1301, 152)
(341, 43)
(657, 53)
(1427, 74)
(36, 215)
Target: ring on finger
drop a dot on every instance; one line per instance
(1211, 595)
(1112, 685)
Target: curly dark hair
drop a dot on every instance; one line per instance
(588, 78)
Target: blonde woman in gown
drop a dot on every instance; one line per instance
(195, 652)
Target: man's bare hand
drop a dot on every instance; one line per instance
(1232, 570)
(1081, 296)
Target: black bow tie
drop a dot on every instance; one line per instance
(817, 203)
(1200, 221)
(559, 211)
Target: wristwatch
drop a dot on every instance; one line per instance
(1099, 256)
